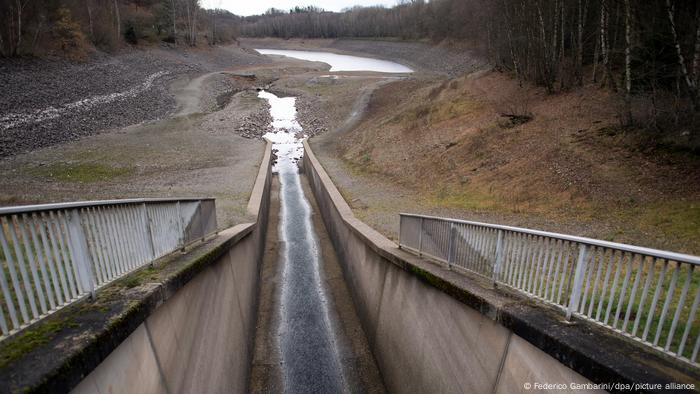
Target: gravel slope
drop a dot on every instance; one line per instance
(45, 102)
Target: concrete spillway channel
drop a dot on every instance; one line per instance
(308, 337)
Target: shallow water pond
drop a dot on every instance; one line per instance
(342, 62)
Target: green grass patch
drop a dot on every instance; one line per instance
(450, 197)
(81, 172)
(436, 112)
(22, 343)
(682, 220)
(674, 220)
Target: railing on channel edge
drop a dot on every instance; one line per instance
(55, 254)
(646, 294)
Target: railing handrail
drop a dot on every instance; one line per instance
(663, 254)
(19, 209)
(57, 254)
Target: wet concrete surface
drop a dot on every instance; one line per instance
(308, 337)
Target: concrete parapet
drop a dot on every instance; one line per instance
(185, 325)
(435, 330)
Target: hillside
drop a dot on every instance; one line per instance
(481, 147)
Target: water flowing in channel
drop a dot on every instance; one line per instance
(307, 340)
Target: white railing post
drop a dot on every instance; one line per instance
(499, 257)
(81, 252)
(450, 246)
(581, 264)
(420, 238)
(180, 227)
(68, 250)
(201, 220)
(149, 231)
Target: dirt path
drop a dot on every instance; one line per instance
(188, 97)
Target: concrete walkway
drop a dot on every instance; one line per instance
(308, 337)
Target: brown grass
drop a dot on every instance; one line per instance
(481, 142)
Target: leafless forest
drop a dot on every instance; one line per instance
(646, 50)
(73, 27)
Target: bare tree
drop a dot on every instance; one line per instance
(604, 40)
(2, 46)
(628, 62)
(690, 82)
(696, 50)
(191, 7)
(119, 22)
(39, 27)
(19, 8)
(173, 4)
(509, 32)
(88, 4)
(582, 14)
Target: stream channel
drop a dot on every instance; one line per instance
(310, 337)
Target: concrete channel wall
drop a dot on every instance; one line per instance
(434, 330)
(423, 339)
(201, 339)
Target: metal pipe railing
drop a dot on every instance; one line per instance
(54, 254)
(646, 294)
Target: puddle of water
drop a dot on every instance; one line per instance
(342, 62)
(307, 339)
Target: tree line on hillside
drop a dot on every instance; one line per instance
(36, 27)
(648, 50)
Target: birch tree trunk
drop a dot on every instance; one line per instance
(119, 22)
(89, 11)
(194, 24)
(213, 28)
(690, 83)
(582, 14)
(596, 55)
(560, 73)
(2, 46)
(190, 22)
(509, 33)
(172, 2)
(696, 54)
(604, 40)
(628, 62)
(20, 5)
(37, 32)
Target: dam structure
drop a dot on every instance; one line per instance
(152, 296)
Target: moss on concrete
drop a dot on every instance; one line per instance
(15, 347)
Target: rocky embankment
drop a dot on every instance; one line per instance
(250, 119)
(311, 116)
(46, 102)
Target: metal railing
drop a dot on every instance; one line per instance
(52, 255)
(646, 294)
